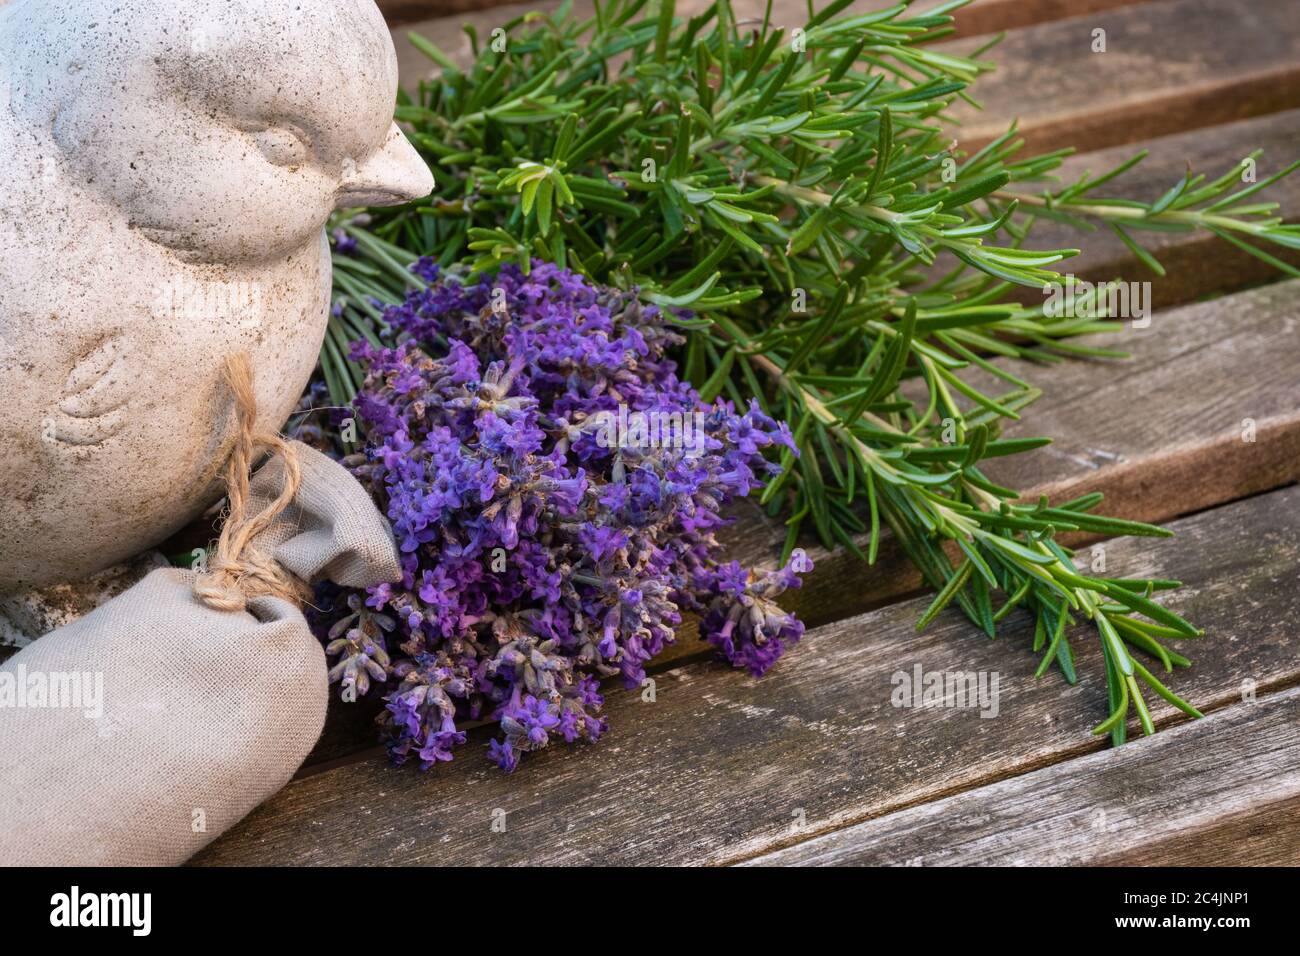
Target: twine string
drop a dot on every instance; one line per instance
(238, 570)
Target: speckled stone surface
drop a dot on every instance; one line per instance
(168, 168)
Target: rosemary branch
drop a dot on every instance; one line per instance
(790, 195)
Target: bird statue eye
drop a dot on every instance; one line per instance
(281, 146)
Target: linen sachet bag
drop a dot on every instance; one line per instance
(164, 720)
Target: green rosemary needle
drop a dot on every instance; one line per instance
(797, 194)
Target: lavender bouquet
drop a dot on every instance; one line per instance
(554, 488)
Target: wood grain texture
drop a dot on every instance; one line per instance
(1222, 791)
(1160, 436)
(993, 16)
(1164, 433)
(722, 767)
(1169, 66)
(402, 12)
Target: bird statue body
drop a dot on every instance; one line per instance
(168, 168)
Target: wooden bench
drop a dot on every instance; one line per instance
(813, 764)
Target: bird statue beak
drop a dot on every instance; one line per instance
(394, 174)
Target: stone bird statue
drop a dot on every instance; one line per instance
(168, 168)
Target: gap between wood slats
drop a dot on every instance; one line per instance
(714, 771)
(1203, 793)
(1169, 66)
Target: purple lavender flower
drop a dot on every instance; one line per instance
(538, 556)
(745, 623)
(344, 243)
(357, 639)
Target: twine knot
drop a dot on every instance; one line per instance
(237, 570)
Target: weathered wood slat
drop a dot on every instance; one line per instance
(1170, 431)
(1160, 436)
(1169, 66)
(403, 12)
(722, 768)
(993, 16)
(1224, 791)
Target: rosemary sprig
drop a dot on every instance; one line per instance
(1218, 206)
(798, 194)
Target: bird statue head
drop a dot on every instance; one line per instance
(225, 131)
(169, 166)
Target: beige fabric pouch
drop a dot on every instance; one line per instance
(163, 722)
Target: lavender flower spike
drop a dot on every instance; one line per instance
(555, 489)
